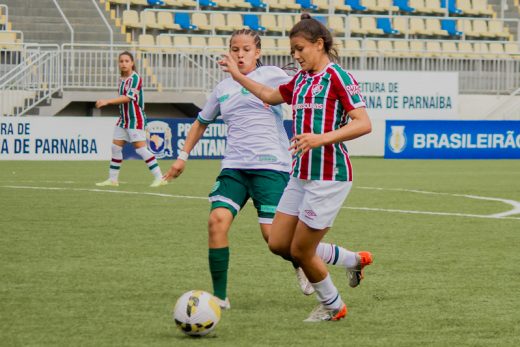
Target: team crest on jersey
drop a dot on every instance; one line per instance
(159, 139)
(244, 91)
(316, 89)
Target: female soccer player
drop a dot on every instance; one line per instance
(323, 97)
(256, 163)
(131, 123)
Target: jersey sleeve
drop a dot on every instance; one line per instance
(286, 90)
(135, 87)
(348, 90)
(211, 109)
(274, 76)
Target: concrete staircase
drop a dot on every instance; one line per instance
(510, 13)
(41, 22)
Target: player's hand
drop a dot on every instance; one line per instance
(228, 64)
(101, 103)
(175, 170)
(301, 144)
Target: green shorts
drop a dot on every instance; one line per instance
(233, 188)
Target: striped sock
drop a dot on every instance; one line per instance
(335, 255)
(327, 293)
(150, 160)
(115, 163)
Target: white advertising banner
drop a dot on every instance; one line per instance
(409, 94)
(56, 138)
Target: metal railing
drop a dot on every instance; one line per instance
(46, 69)
(36, 80)
(96, 5)
(509, 108)
(71, 29)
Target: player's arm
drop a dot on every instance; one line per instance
(271, 96)
(359, 125)
(115, 101)
(194, 135)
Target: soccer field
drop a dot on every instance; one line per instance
(90, 266)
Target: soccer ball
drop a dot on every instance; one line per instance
(196, 313)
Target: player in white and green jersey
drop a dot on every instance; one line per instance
(323, 98)
(130, 126)
(256, 163)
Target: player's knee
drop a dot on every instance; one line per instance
(278, 249)
(116, 148)
(298, 254)
(218, 223)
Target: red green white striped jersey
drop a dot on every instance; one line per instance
(131, 114)
(320, 104)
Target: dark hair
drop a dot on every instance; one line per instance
(249, 32)
(312, 30)
(131, 58)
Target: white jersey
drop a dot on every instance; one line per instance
(256, 137)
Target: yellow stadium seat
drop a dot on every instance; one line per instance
(139, 2)
(387, 6)
(274, 5)
(497, 49)
(449, 49)
(9, 40)
(219, 21)
(147, 43)
(433, 26)
(149, 20)
(164, 42)
(323, 5)
(401, 23)
(225, 4)
(372, 6)
(419, 6)
(416, 48)
(269, 22)
(291, 4)
(198, 44)
(201, 21)
(433, 49)
(131, 19)
(216, 45)
(435, 7)
(497, 28)
(337, 25)
(355, 26)
(467, 8)
(401, 48)
(368, 24)
(235, 21)
(466, 49)
(386, 48)
(340, 6)
(285, 22)
(417, 27)
(370, 48)
(480, 29)
(165, 19)
(483, 8)
(352, 48)
(269, 46)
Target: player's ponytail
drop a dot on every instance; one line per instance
(312, 30)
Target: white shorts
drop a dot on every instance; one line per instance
(129, 135)
(316, 203)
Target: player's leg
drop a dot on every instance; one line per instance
(321, 203)
(138, 138)
(266, 188)
(228, 196)
(120, 138)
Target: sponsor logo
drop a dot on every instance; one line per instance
(310, 214)
(397, 140)
(223, 98)
(215, 187)
(353, 89)
(244, 91)
(308, 106)
(316, 89)
(159, 139)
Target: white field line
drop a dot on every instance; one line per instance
(514, 210)
(502, 215)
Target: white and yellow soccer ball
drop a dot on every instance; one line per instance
(196, 313)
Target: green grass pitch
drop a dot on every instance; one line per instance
(80, 266)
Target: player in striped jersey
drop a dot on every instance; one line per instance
(256, 164)
(130, 126)
(323, 97)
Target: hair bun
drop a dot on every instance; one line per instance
(305, 15)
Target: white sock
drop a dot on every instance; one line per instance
(327, 294)
(115, 163)
(150, 160)
(336, 255)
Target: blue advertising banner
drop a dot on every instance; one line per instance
(445, 139)
(166, 137)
